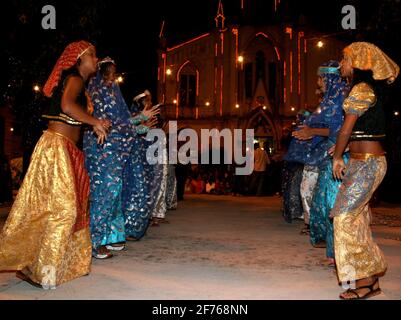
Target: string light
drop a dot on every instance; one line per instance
(175, 101)
(36, 88)
(120, 79)
(168, 72)
(207, 103)
(237, 106)
(240, 59)
(292, 109)
(320, 44)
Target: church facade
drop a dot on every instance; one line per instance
(243, 77)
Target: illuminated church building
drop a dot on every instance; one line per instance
(249, 75)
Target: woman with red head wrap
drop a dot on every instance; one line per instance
(46, 236)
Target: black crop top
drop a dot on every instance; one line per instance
(54, 112)
(364, 102)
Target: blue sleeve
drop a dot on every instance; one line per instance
(142, 129)
(335, 121)
(98, 104)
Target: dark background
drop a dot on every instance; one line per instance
(128, 31)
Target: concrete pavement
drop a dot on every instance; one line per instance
(221, 247)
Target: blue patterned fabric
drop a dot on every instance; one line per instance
(329, 115)
(291, 184)
(298, 149)
(138, 180)
(105, 163)
(137, 195)
(321, 226)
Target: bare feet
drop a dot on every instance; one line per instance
(320, 244)
(129, 238)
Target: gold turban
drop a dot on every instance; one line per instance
(367, 56)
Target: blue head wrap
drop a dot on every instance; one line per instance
(328, 115)
(107, 99)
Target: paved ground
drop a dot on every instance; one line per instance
(221, 247)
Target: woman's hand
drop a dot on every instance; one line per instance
(338, 168)
(305, 133)
(100, 128)
(331, 150)
(151, 123)
(151, 112)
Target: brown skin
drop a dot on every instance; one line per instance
(150, 112)
(69, 106)
(110, 76)
(345, 132)
(339, 165)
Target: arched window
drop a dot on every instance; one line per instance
(249, 80)
(272, 80)
(187, 85)
(260, 66)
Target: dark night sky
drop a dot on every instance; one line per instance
(128, 30)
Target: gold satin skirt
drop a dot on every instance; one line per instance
(357, 255)
(46, 234)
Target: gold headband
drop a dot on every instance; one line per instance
(82, 53)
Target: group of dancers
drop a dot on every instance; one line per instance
(74, 205)
(336, 161)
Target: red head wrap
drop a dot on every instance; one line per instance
(67, 59)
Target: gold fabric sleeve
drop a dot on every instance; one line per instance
(360, 99)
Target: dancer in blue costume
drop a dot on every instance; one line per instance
(328, 118)
(105, 163)
(138, 177)
(292, 175)
(161, 176)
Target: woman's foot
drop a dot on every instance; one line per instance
(102, 253)
(129, 238)
(320, 244)
(22, 276)
(116, 246)
(363, 290)
(329, 262)
(305, 230)
(163, 220)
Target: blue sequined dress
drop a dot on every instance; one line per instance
(105, 162)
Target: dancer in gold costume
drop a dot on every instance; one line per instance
(46, 237)
(359, 260)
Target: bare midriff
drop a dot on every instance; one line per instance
(373, 147)
(69, 131)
